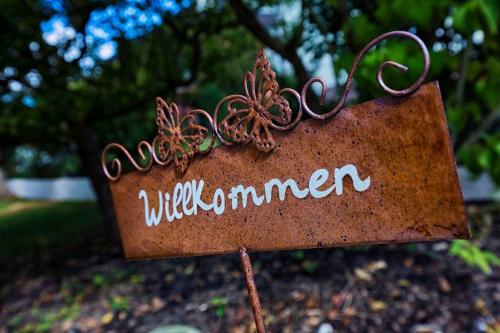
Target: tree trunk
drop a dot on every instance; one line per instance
(91, 163)
(3, 182)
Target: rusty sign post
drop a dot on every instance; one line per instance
(253, 295)
(378, 172)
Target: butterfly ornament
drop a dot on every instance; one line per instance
(250, 117)
(179, 138)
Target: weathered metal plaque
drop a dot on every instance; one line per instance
(378, 172)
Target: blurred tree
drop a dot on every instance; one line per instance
(67, 103)
(462, 37)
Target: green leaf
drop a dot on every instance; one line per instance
(310, 266)
(490, 9)
(473, 256)
(484, 158)
(298, 255)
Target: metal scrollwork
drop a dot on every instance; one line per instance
(117, 164)
(250, 117)
(179, 139)
(380, 71)
(263, 106)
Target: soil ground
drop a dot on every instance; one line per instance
(84, 285)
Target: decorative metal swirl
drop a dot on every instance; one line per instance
(380, 71)
(178, 140)
(249, 117)
(117, 164)
(262, 107)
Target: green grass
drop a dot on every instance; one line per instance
(4, 203)
(37, 226)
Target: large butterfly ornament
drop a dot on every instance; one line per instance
(179, 138)
(249, 117)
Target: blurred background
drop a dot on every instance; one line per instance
(76, 75)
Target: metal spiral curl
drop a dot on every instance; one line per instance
(380, 70)
(158, 160)
(116, 164)
(298, 116)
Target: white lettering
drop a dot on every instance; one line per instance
(169, 216)
(187, 193)
(298, 193)
(219, 202)
(176, 200)
(197, 201)
(186, 197)
(318, 178)
(151, 218)
(257, 200)
(359, 185)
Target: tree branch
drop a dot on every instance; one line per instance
(464, 68)
(249, 20)
(487, 123)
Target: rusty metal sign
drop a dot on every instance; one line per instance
(379, 172)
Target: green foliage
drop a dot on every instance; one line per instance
(73, 290)
(47, 319)
(483, 156)
(474, 256)
(298, 255)
(220, 304)
(137, 279)
(310, 266)
(477, 13)
(117, 101)
(99, 280)
(16, 320)
(119, 303)
(112, 277)
(466, 66)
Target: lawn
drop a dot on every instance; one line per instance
(29, 226)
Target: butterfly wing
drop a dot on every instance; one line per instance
(261, 135)
(193, 134)
(181, 158)
(165, 120)
(236, 124)
(273, 105)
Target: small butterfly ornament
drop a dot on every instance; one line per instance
(178, 139)
(250, 117)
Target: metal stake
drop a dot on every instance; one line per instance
(252, 291)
